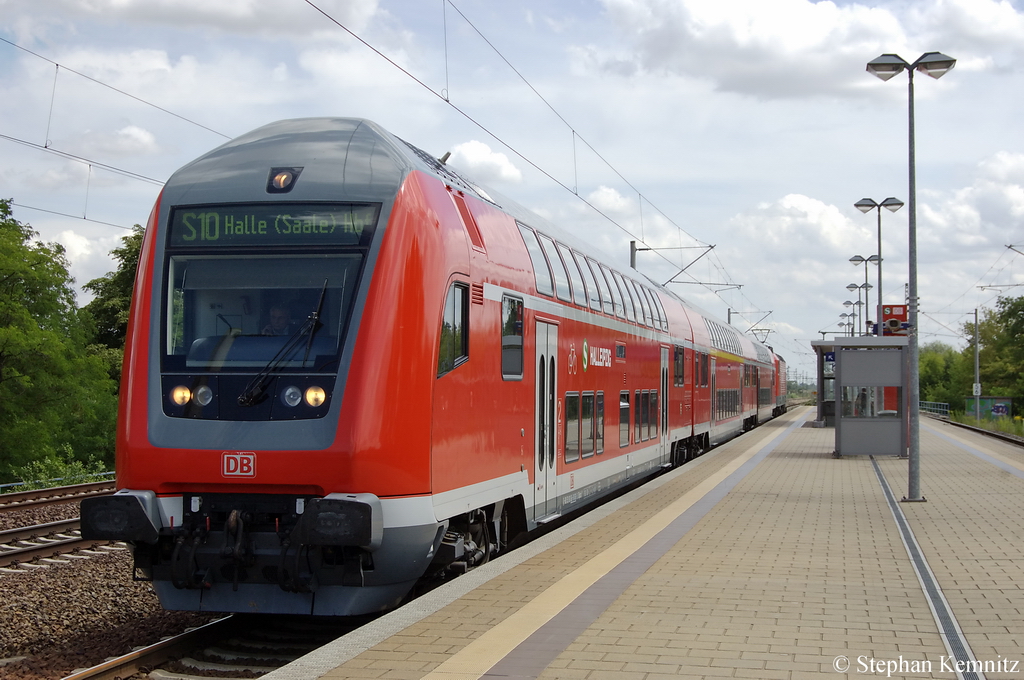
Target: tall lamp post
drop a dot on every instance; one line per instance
(864, 205)
(934, 64)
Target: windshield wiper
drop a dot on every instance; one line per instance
(257, 387)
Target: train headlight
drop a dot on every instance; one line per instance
(315, 396)
(180, 395)
(203, 395)
(291, 396)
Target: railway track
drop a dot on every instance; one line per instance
(20, 500)
(236, 646)
(26, 544)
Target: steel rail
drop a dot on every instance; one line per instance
(142, 660)
(39, 530)
(18, 500)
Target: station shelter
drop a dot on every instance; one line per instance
(862, 393)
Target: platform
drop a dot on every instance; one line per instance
(765, 558)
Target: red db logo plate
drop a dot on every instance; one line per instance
(239, 464)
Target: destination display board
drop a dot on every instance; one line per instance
(274, 224)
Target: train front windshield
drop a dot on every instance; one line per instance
(252, 285)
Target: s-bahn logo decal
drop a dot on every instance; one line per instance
(239, 464)
(596, 356)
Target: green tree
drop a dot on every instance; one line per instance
(1001, 343)
(109, 309)
(945, 374)
(55, 393)
(113, 292)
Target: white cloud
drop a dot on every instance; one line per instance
(268, 19)
(484, 164)
(795, 48)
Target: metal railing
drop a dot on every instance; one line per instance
(935, 408)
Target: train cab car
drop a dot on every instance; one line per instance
(348, 367)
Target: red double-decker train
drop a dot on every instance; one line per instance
(347, 367)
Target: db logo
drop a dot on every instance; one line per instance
(239, 464)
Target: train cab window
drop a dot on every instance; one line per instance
(541, 272)
(232, 312)
(579, 291)
(454, 344)
(606, 296)
(572, 427)
(620, 310)
(511, 338)
(679, 372)
(627, 298)
(592, 291)
(558, 271)
(623, 419)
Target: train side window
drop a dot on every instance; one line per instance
(616, 295)
(655, 312)
(558, 270)
(623, 419)
(579, 291)
(679, 375)
(645, 415)
(627, 297)
(541, 272)
(656, 299)
(588, 276)
(655, 414)
(511, 338)
(606, 296)
(638, 420)
(646, 310)
(599, 422)
(572, 427)
(664, 316)
(587, 423)
(454, 345)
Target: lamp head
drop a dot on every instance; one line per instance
(887, 66)
(934, 64)
(892, 204)
(866, 205)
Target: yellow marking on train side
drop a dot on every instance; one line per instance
(476, 658)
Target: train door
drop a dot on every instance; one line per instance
(545, 499)
(663, 440)
(714, 396)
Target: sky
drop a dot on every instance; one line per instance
(751, 126)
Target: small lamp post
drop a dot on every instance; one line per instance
(865, 205)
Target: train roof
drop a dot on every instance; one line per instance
(356, 158)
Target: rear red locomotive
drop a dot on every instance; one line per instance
(347, 367)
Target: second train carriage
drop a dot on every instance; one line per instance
(348, 366)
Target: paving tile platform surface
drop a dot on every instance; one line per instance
(799, 571)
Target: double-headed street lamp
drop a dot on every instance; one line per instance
(864, 205)
(934, 64)
(855, 260)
